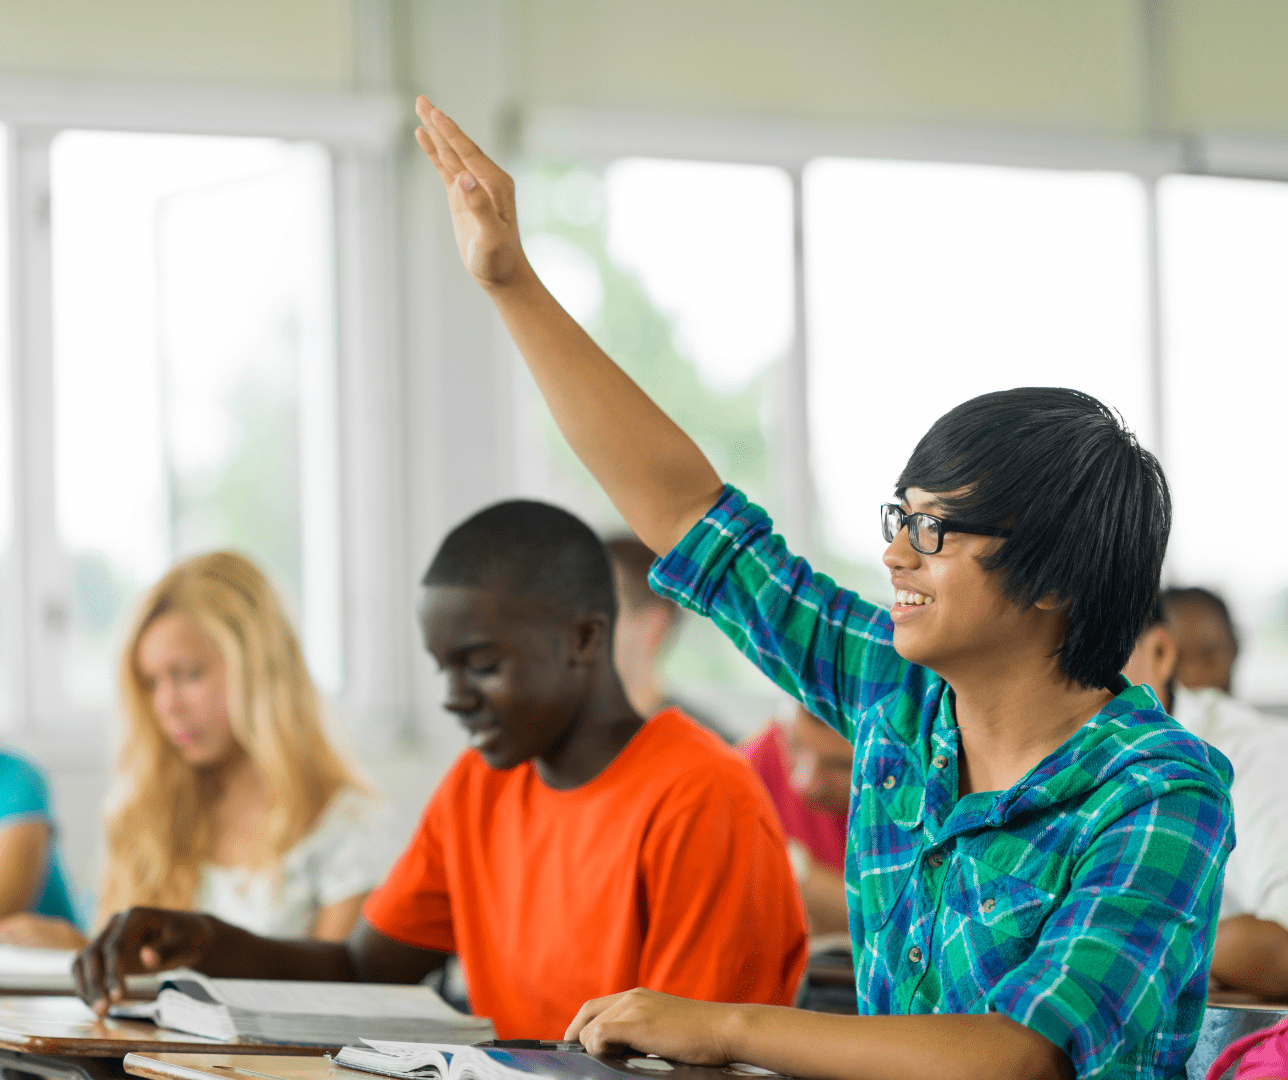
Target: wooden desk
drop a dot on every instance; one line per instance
(67, 1026)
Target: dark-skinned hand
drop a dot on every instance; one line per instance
(138, 941)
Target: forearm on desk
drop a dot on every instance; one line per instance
(237, 953)
(1252, 954)
(820, 1046)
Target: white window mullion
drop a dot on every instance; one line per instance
(40, 570)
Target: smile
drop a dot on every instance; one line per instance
(912, 599)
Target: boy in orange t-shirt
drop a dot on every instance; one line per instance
(575, 851)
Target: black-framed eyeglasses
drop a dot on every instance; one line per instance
(925, 531)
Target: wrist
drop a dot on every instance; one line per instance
(521, 284)
(733, 1031)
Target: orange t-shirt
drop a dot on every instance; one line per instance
(668, 870)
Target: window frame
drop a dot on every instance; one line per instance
(360, 132)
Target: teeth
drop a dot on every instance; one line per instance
(912, 599)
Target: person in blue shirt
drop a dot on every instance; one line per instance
(31, 874)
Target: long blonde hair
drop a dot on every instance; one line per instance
(159, 833)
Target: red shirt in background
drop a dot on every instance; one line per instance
(668, 870)
(822, 832)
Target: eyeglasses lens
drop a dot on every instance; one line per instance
(890, 522)
(923, 531)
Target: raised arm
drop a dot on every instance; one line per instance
(654, 473)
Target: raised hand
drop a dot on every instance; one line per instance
(137, 941)
(481, 197)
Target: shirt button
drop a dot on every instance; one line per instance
(914, 954)
(888, 783)
(988, 905)
(936, 861)
(939, 761)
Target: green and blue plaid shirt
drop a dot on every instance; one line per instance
(1081, 903)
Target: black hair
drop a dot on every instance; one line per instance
(529, 549)
(1088, 507)
(1177, 595)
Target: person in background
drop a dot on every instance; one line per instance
(31, 873)
(806, 767)
(1251, 951)
(647, 625)
(1205, 638)
(576, 847)
(230, 798)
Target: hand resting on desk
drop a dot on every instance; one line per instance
(143, 940)
(139, 941)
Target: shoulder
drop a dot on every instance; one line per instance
(22, 786)
(762, 747)
(352, 814)
(1133, 753)
(675, 761)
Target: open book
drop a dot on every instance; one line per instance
(310, 1013)
(436, 1061)
(50, 971)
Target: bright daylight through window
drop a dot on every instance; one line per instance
(10, 616)
(929, 284)
(683, 272)
(1225, 281)
(194, 377)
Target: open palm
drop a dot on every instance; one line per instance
(481, 197)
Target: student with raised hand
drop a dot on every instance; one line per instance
(230, 799)
(575, 850)
(1035, 848)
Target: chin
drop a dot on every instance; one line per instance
(502, 759)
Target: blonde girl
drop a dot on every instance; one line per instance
(230, 799)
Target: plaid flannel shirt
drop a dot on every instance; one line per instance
(1081, 903)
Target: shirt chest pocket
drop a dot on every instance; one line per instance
(992, 922)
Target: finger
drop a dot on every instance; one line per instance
(586, 1014)
(88, 970)
(488, 173)
(605, 1034)
(110, 945)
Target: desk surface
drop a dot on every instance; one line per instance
(66, 1025)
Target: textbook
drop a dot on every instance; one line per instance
(438, 1061)
(310, 1013)
(50, 971)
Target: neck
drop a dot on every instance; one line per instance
(644, 690)
(235, 778)
(604, 723)
(1011, 719)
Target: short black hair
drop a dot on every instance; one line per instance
(529, 549)
(1195, 594)
(1088, 506)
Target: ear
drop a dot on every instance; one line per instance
(589, 636)
(1166, 653)
(658, 625)
(1050, 602)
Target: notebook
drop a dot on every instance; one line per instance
(309, 1013)
(437, 1061)
(50, 971)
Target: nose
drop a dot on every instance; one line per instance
(462, 698)
(901, 555)
(164, 698)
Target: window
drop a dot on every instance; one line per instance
(930, 284)
(1224, 282)
(10, 616)
(194, 378)
(683, 272)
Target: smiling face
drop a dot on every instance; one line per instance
(950, 614)
(181, 670)
(517, 670)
